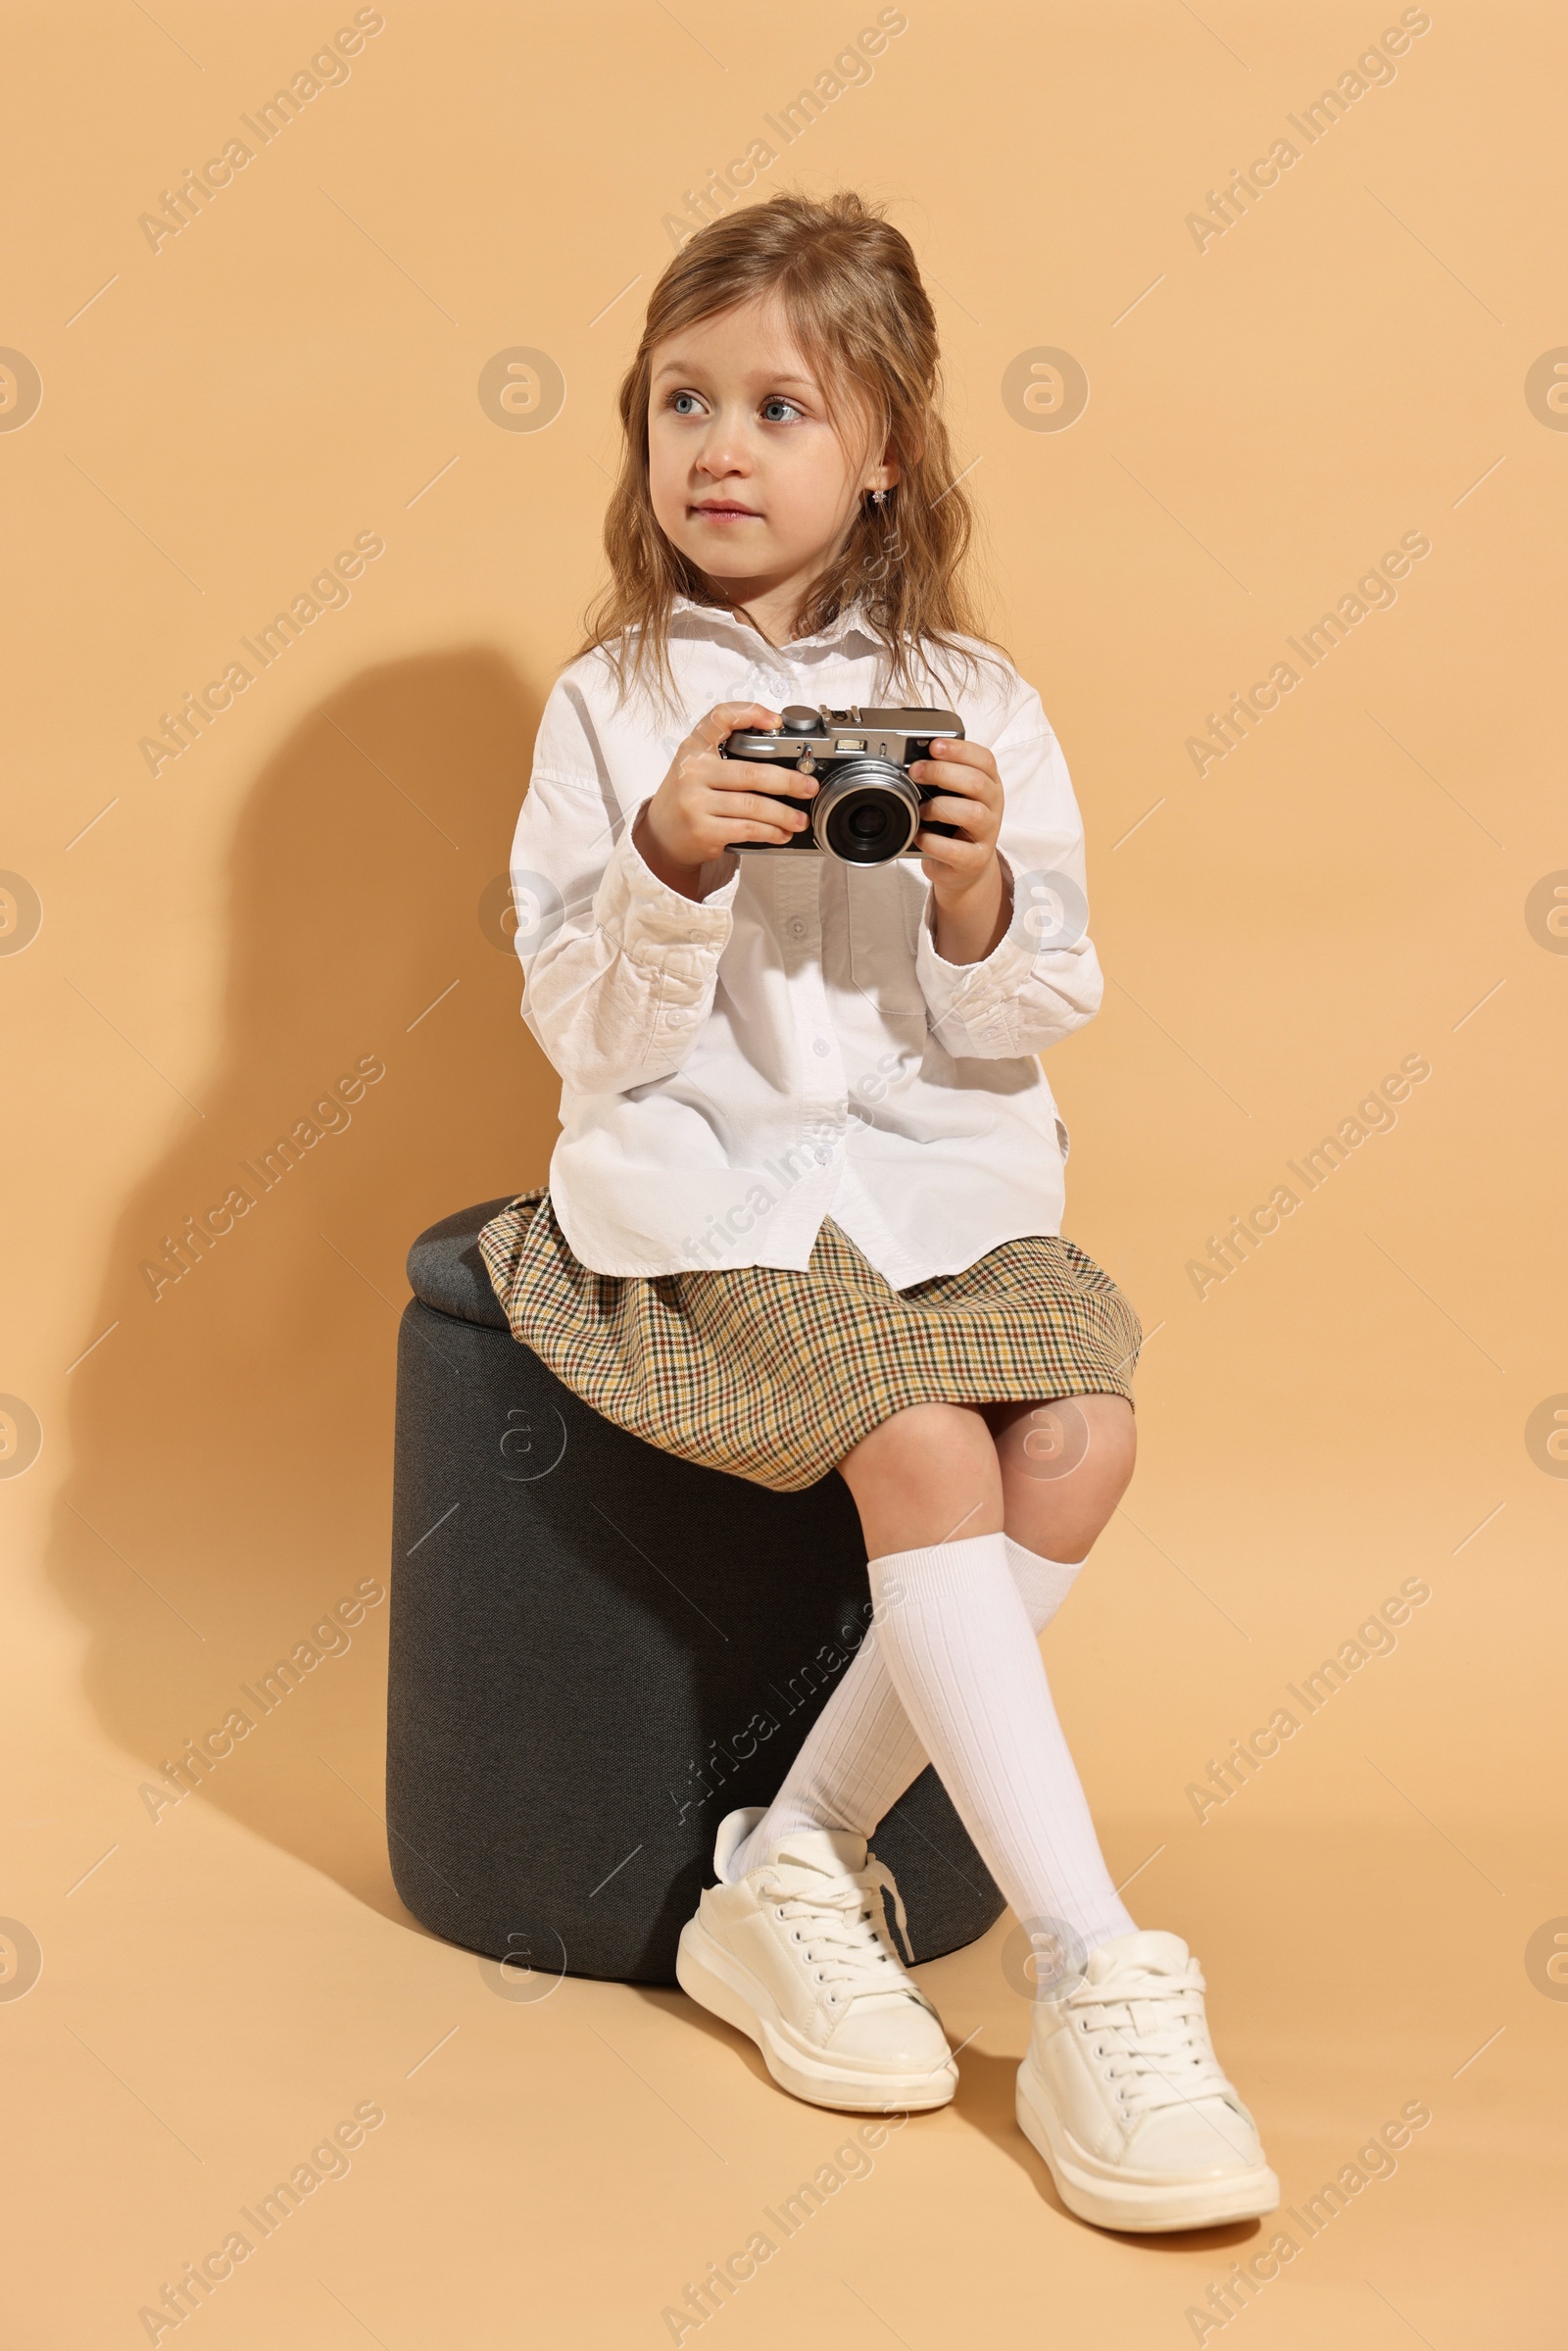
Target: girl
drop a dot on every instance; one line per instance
(805, 1211)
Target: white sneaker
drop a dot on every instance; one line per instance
(796, 1954)
(1122, 2095)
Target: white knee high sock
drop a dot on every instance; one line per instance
(862, 1753)
(959, 1648)
(1042, 1583)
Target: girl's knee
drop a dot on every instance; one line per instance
(933, 1457)
(1113, 1431)
(1079, 1446)
(943, 1437)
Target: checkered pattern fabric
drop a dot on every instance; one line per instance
(774, 1375)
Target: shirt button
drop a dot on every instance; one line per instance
(796, 928)
(819, 1045)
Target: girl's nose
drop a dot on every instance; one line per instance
(722, 450)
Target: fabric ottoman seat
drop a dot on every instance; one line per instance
(596, 1651)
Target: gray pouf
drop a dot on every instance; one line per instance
(596, 1651)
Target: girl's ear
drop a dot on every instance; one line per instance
(884, 474)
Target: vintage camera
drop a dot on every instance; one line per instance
(867, 808)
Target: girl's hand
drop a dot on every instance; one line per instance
(973, 905)
(706, 802)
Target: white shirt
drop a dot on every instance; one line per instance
(792, 1046)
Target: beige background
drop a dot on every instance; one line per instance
(301, 886)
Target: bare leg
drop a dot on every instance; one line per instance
(1050, 1474)
(1065, 1467)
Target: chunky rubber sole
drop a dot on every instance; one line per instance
(708, 1975)
(1096, 2193)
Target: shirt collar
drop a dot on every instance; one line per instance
(851, 621)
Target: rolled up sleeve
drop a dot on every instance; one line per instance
(1041, 980)
(620, 968)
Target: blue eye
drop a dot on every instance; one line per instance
(677, 400)
(779, 401)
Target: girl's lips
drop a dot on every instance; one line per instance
(728, 513)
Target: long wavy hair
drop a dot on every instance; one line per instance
(851, 291)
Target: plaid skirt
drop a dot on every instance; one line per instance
(773, 1374)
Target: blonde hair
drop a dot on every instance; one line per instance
(851, 291)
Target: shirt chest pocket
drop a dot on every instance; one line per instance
(886, 908)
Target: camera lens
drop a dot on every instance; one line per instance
(867, 812)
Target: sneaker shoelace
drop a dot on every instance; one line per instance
(838, 1924)
(1153, 2037)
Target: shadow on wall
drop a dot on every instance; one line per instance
(231, 1439)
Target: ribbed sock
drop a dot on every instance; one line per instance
(862, 1752)
(954, 1636)
(1042, 1583)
